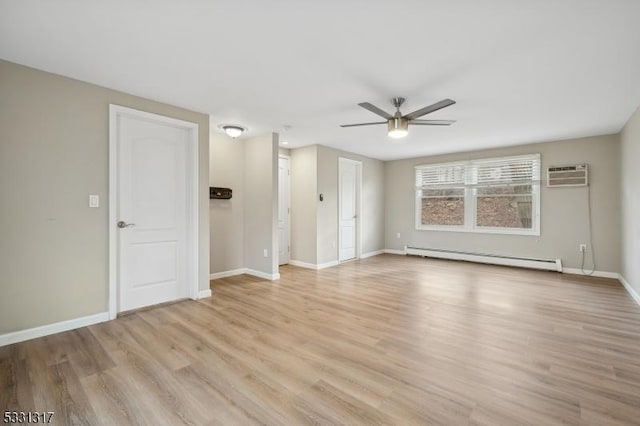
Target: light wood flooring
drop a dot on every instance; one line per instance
(386, 340)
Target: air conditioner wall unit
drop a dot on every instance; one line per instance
(573, 175)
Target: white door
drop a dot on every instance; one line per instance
(347, 208)
(153, 211)
(283, 210)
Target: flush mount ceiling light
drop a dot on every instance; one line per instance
(233, 130)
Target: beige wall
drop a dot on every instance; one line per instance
(314, 223)
(304, 190)
(227, 216)
(630, 180)
(371, 212)
(261, 203)
(53, 154)
(564, 223)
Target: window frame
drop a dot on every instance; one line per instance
(471, 200)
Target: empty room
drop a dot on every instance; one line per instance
(337, 213)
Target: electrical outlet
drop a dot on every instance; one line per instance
(266, 253)
(398, 235)
(94, 201)
(333, 244)
(583, 248)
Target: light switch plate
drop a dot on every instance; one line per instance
(94, 201)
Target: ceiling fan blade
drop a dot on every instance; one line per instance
(363, 124)
(429, 109)
(433, 122)
(374, 109)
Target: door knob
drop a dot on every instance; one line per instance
(123, 224)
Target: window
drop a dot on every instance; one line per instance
(496, 195)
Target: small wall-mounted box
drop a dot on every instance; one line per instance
(216, 193)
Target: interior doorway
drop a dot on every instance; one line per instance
(284, 209)
(349, 190)
(153, 226)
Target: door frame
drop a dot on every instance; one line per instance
(115, 112)
(288, 157)
(358, 165)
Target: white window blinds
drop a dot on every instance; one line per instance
(441, 175)
(507, 171)
(515, 170)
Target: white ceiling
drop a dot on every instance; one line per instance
(521, 71)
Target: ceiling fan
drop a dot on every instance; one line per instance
(398, 124)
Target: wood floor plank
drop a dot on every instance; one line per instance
(89, 357)
(117, 401)
(345, 407)
(385, 340)
(71, 402)
(15, 385)
(155, 341)
(221, 410)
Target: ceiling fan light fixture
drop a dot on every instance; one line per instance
(398, 124)
(398, 127)
(233, 130)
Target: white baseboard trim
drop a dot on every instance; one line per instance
(259, 274)
(302, 264)
(371, 253)
(264, 275)
(46, 330)
(395, 251)
(313, 265)
(327, 264)
(629, 289)
(204, 293)
(599, 274)
(230, 273)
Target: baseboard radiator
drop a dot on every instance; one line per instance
(545, 264)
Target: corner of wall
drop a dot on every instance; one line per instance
(275, 152)
(226, 160)
(630, 202)
(260, 203)
(304, 189)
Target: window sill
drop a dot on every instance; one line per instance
(527, 232)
